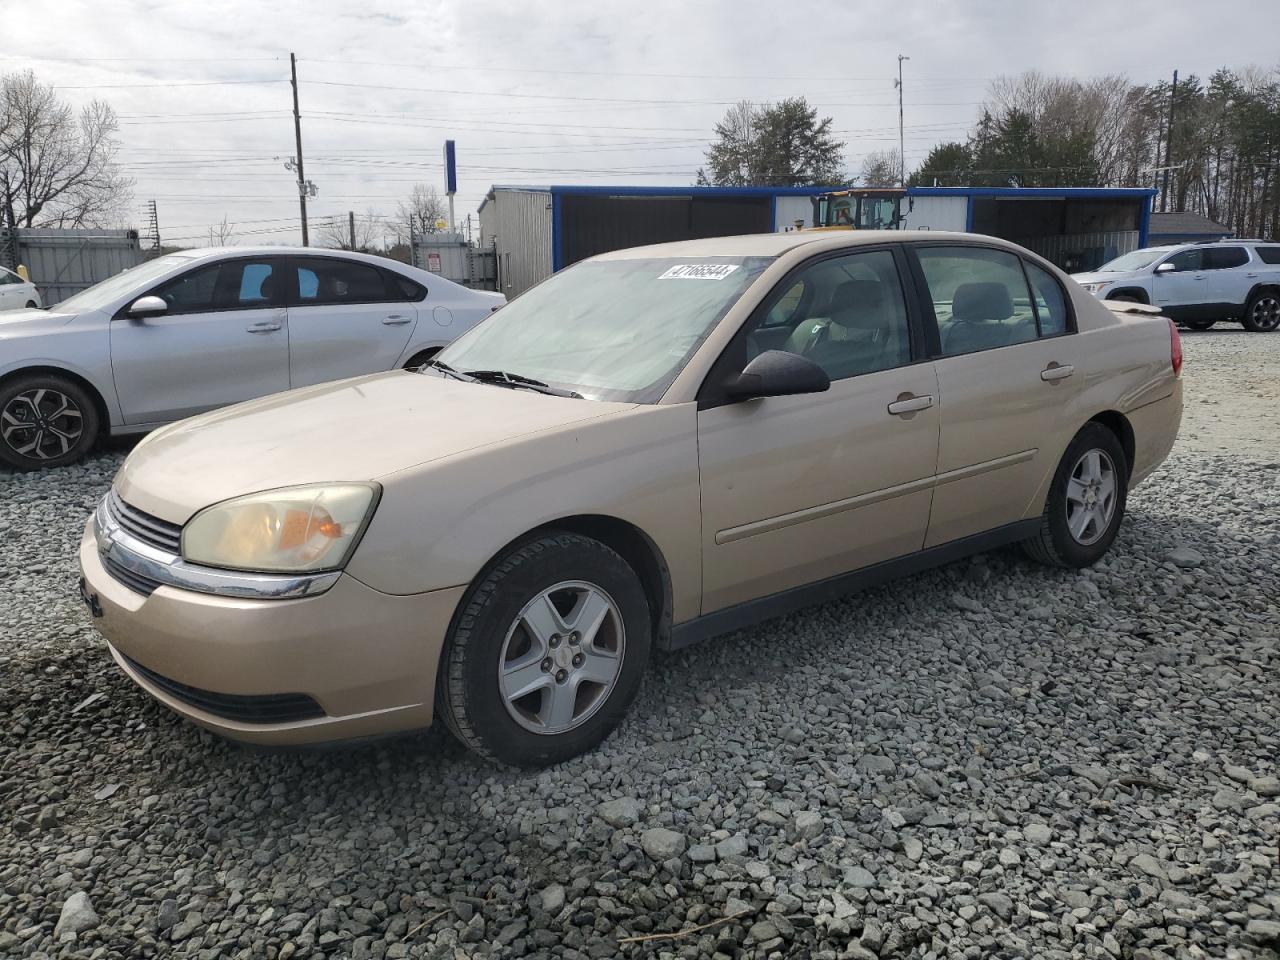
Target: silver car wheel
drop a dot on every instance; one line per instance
(561, 657)
(1266, 312)
(41, 424)
(1091, 497)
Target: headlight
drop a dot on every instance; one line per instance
(291, 530)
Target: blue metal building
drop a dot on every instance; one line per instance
(536, 230)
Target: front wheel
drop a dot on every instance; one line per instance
(45, 421)
(1262, 314)
(1086, 502)
(1198, 324)
(547, 653)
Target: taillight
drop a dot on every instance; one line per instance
(1175, 349)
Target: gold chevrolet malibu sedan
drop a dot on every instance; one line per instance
(652, 447)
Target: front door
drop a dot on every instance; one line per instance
(1009, 369)
(1185, 290)
(345, 319)
(224, 339)
(798, 489)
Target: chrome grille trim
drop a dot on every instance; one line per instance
(159, 533)
(137, 562)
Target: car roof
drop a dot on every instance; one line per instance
(776, 244)
(212, 253)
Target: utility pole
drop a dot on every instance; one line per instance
(1168, 142)
(902, 153)
(351, 227)
(297, 133)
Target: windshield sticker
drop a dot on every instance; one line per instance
(699, 271)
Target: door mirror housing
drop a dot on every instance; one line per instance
(777, 373)
(1166, 267)
(147, 307)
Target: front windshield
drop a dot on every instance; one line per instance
(1132, 261)
(104, 293)
(609, 329)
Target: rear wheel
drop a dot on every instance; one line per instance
(31, 305)
(45, 421)
(1086, 501)
(1262, 315)
(547, 653)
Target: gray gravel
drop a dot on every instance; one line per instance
(989, 760)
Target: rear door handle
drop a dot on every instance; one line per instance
(396, 320)
(906, 404)
(1251, 276)
(1056, 371)
(264, 326)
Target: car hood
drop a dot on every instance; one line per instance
(1097, 277)
(24, 321)
(359, 429)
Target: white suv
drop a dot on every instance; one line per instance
(1198, 284)
(16, 293)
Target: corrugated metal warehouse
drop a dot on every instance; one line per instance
(536, 230)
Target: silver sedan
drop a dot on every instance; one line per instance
(197, 330)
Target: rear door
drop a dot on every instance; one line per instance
(1009, 364)
(1230, 276)
(224, 339)
(346, 318)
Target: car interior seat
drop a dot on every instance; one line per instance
(978, 312)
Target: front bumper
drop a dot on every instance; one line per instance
(366, 659)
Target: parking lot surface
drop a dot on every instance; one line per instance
(993, 759)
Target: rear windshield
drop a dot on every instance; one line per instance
(609, 329)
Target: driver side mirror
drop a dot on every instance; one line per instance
(1166, 267)
(777, 373)
(147, 307)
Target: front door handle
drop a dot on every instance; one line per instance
(1055, 371)
(907, 404)
(264, 326)
(396, 320)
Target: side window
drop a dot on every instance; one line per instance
(848, 315)
(406, 289)
(232, 285)
(1269, 255)
(1051, 306)
(1224, 258)
(339, 281)
(193, 292)
(783, 312)
(980, 298)
(1187, 260)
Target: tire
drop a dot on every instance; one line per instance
(1262, 313)
(506, 622)
(421, 357)
(1125, 298)
(1198, 324)
(1056, 544)
(64, 421)
(31, 305)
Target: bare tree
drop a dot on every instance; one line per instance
(222, 234)
(335, 232)
(57, 169)
(421, 213)
(881, 168)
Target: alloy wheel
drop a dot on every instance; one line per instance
(561, 658)
(1091, 497)
(1266, 312)
(41, 423)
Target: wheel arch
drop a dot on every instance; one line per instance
(1258, 288)
(80, 380)
(631, 543)
(1119, 424)
(1138, 293)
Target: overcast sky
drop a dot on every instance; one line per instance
(561, 91)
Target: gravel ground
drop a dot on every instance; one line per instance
(989, 760)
